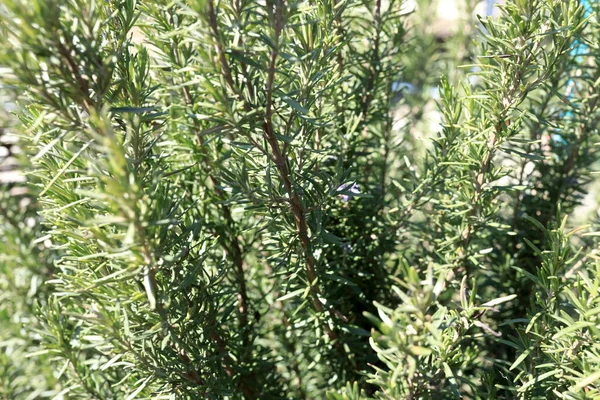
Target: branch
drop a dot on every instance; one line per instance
(340, 33)
(374, 66)
(214, 26)
(231, 244)
(508, 100)
(284, 173)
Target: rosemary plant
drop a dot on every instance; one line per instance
(237, 199)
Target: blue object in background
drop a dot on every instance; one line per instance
(577, 51)
(578, 47)
(489, 7)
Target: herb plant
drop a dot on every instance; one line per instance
(241, 199)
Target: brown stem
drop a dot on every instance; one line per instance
(214, 26)
(386, 150)
(226, 70)
(231, 243)
(340, 33)
(152, 286)
(192, 375)
(284, 173)
(368, 94)
(289, 344)
(509, 98)
(533, 136)
(479, 181)
(81, 82)
(277, 155)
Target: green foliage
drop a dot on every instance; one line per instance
(240, 199)
(25, 262)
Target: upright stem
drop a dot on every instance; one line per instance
(511, 95)
(374, 67)
(386, 144)
(231, 244)
(284, 173)
(233, 248)
(276, 153)
(532, 136)
(214, 26)
(340, 32)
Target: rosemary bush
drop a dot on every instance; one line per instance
(243, 199)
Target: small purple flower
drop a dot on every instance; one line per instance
(348, 191)
(347, 247)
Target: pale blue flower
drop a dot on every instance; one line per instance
(348, 192)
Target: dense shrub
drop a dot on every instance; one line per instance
(242, 199)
